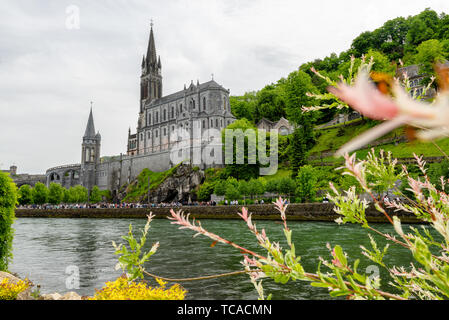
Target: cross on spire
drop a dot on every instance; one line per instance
(151, 23)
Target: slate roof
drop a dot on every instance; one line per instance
(180, 94)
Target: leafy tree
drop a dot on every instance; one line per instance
(392, 36)
(272, 186)
(205, 191)
(244, 131)
(287, 186)
(40, 193)
(423, 26)
(428, 53)
(244, 188)
(255, 187)
(25, 195)
(443, 30)
(220, 188)
(297, 86)
(363, 43)
(96, 195)
(244, 106)
(77, 194)
(8, 201)
(232, 192)
(298, 152)
(270, 103)
(306, 182)
(381, 62)
(55, 193)
(66, 197)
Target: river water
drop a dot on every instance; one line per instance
(49, 251)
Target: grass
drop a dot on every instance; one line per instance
(282, 172)
(334, 138)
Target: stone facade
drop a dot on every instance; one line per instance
(283, 126)
(161, 119)
(21, 179)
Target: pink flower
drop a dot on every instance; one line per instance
(244, 214)
(366, 99)
(370, 102)
(336, 262)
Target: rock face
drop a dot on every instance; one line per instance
(25, 295)
(57, 296)
(178, 186)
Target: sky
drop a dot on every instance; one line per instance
(57, 56)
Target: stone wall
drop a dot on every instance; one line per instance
(301, 212)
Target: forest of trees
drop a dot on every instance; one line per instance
(422, 39)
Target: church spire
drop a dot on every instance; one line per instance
(90, 128)
(151, 51)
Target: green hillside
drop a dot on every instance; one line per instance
(330, 140)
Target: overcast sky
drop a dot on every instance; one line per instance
(50, 71)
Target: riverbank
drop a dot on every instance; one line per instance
(295, 212)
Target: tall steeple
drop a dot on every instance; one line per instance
(90, 128)
(151, 78)
(151, 51)
(90, 153)
(91, 142)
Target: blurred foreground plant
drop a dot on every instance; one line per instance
(131, 261)
(426, 278)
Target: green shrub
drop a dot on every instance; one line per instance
(40, 193)
(55, 193)
(8, 201)
(25, 195)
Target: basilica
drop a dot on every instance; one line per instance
(201, 105)
(159, 116)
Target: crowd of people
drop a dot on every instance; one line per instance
(105, 205)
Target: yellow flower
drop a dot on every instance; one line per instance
(10, 290)
(122, 289)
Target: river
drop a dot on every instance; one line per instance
(48, 251)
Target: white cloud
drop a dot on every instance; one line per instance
(49, 74)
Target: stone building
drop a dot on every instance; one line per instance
(160, 121)
(283, 126)
(416, 81)
(163, 117)
(21, 179)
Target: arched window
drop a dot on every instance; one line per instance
(149, 119)
(211, 123)
(204, 123)
(180, 107)
(157, 116)
(172, 112)
(204, 103)
(165, 114)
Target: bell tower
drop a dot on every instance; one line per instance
(90, 153)
(151, 78)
